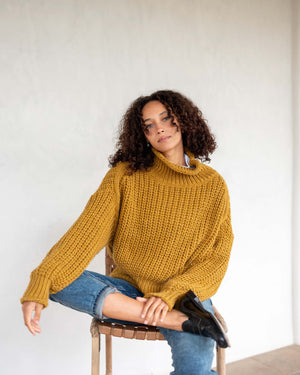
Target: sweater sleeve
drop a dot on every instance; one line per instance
(206, 268)
(69, 257)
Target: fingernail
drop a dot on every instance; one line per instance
(154, 323)
(145, 322)
(143, 316)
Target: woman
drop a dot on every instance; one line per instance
(165, 218)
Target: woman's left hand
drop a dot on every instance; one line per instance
(154, 310)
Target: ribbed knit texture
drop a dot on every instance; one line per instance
(168, 229)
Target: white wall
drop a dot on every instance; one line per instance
(296, 167)
(68, 71)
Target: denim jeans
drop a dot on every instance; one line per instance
(192, 354)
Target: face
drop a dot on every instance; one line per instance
(159, 130)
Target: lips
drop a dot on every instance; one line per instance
(162, 139)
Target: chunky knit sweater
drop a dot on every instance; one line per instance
(167, 228)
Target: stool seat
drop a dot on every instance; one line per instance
(128, 331)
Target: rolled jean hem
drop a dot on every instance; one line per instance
(98, 307)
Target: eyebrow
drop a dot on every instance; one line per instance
(159, 114)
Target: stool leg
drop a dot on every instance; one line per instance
(108, 350)
(221, 365)
(96, 344)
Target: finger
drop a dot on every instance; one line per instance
(147, 303)
(164, 313)
(27, 312)
(146, 307)
(35, 326)
(150, 313)
(158, 312)
(37, 314)
(35, 323)
(141, 299)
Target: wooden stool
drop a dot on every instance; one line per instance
(133, 331)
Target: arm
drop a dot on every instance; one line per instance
(68, 258)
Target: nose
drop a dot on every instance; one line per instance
(159, 130)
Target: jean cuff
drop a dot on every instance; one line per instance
(100, 301)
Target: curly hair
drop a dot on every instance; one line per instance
(132, 143)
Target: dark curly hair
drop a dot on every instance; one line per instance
(132, 143)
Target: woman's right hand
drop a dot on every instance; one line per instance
(32, 321)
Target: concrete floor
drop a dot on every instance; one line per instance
(284, 361)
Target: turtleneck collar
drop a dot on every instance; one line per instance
(173, 173)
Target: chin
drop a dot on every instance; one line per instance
(167, 148)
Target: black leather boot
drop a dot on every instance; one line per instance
(200, 320)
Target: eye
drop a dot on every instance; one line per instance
(147, 126)
(166, 118)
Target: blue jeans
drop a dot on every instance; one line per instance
(192, 354)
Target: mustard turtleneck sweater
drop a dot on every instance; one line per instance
(168, 229)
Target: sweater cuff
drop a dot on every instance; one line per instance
(37, 290)
(169, 296)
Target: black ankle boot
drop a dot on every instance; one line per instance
(200, 320)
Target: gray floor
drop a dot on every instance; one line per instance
(284, 361)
